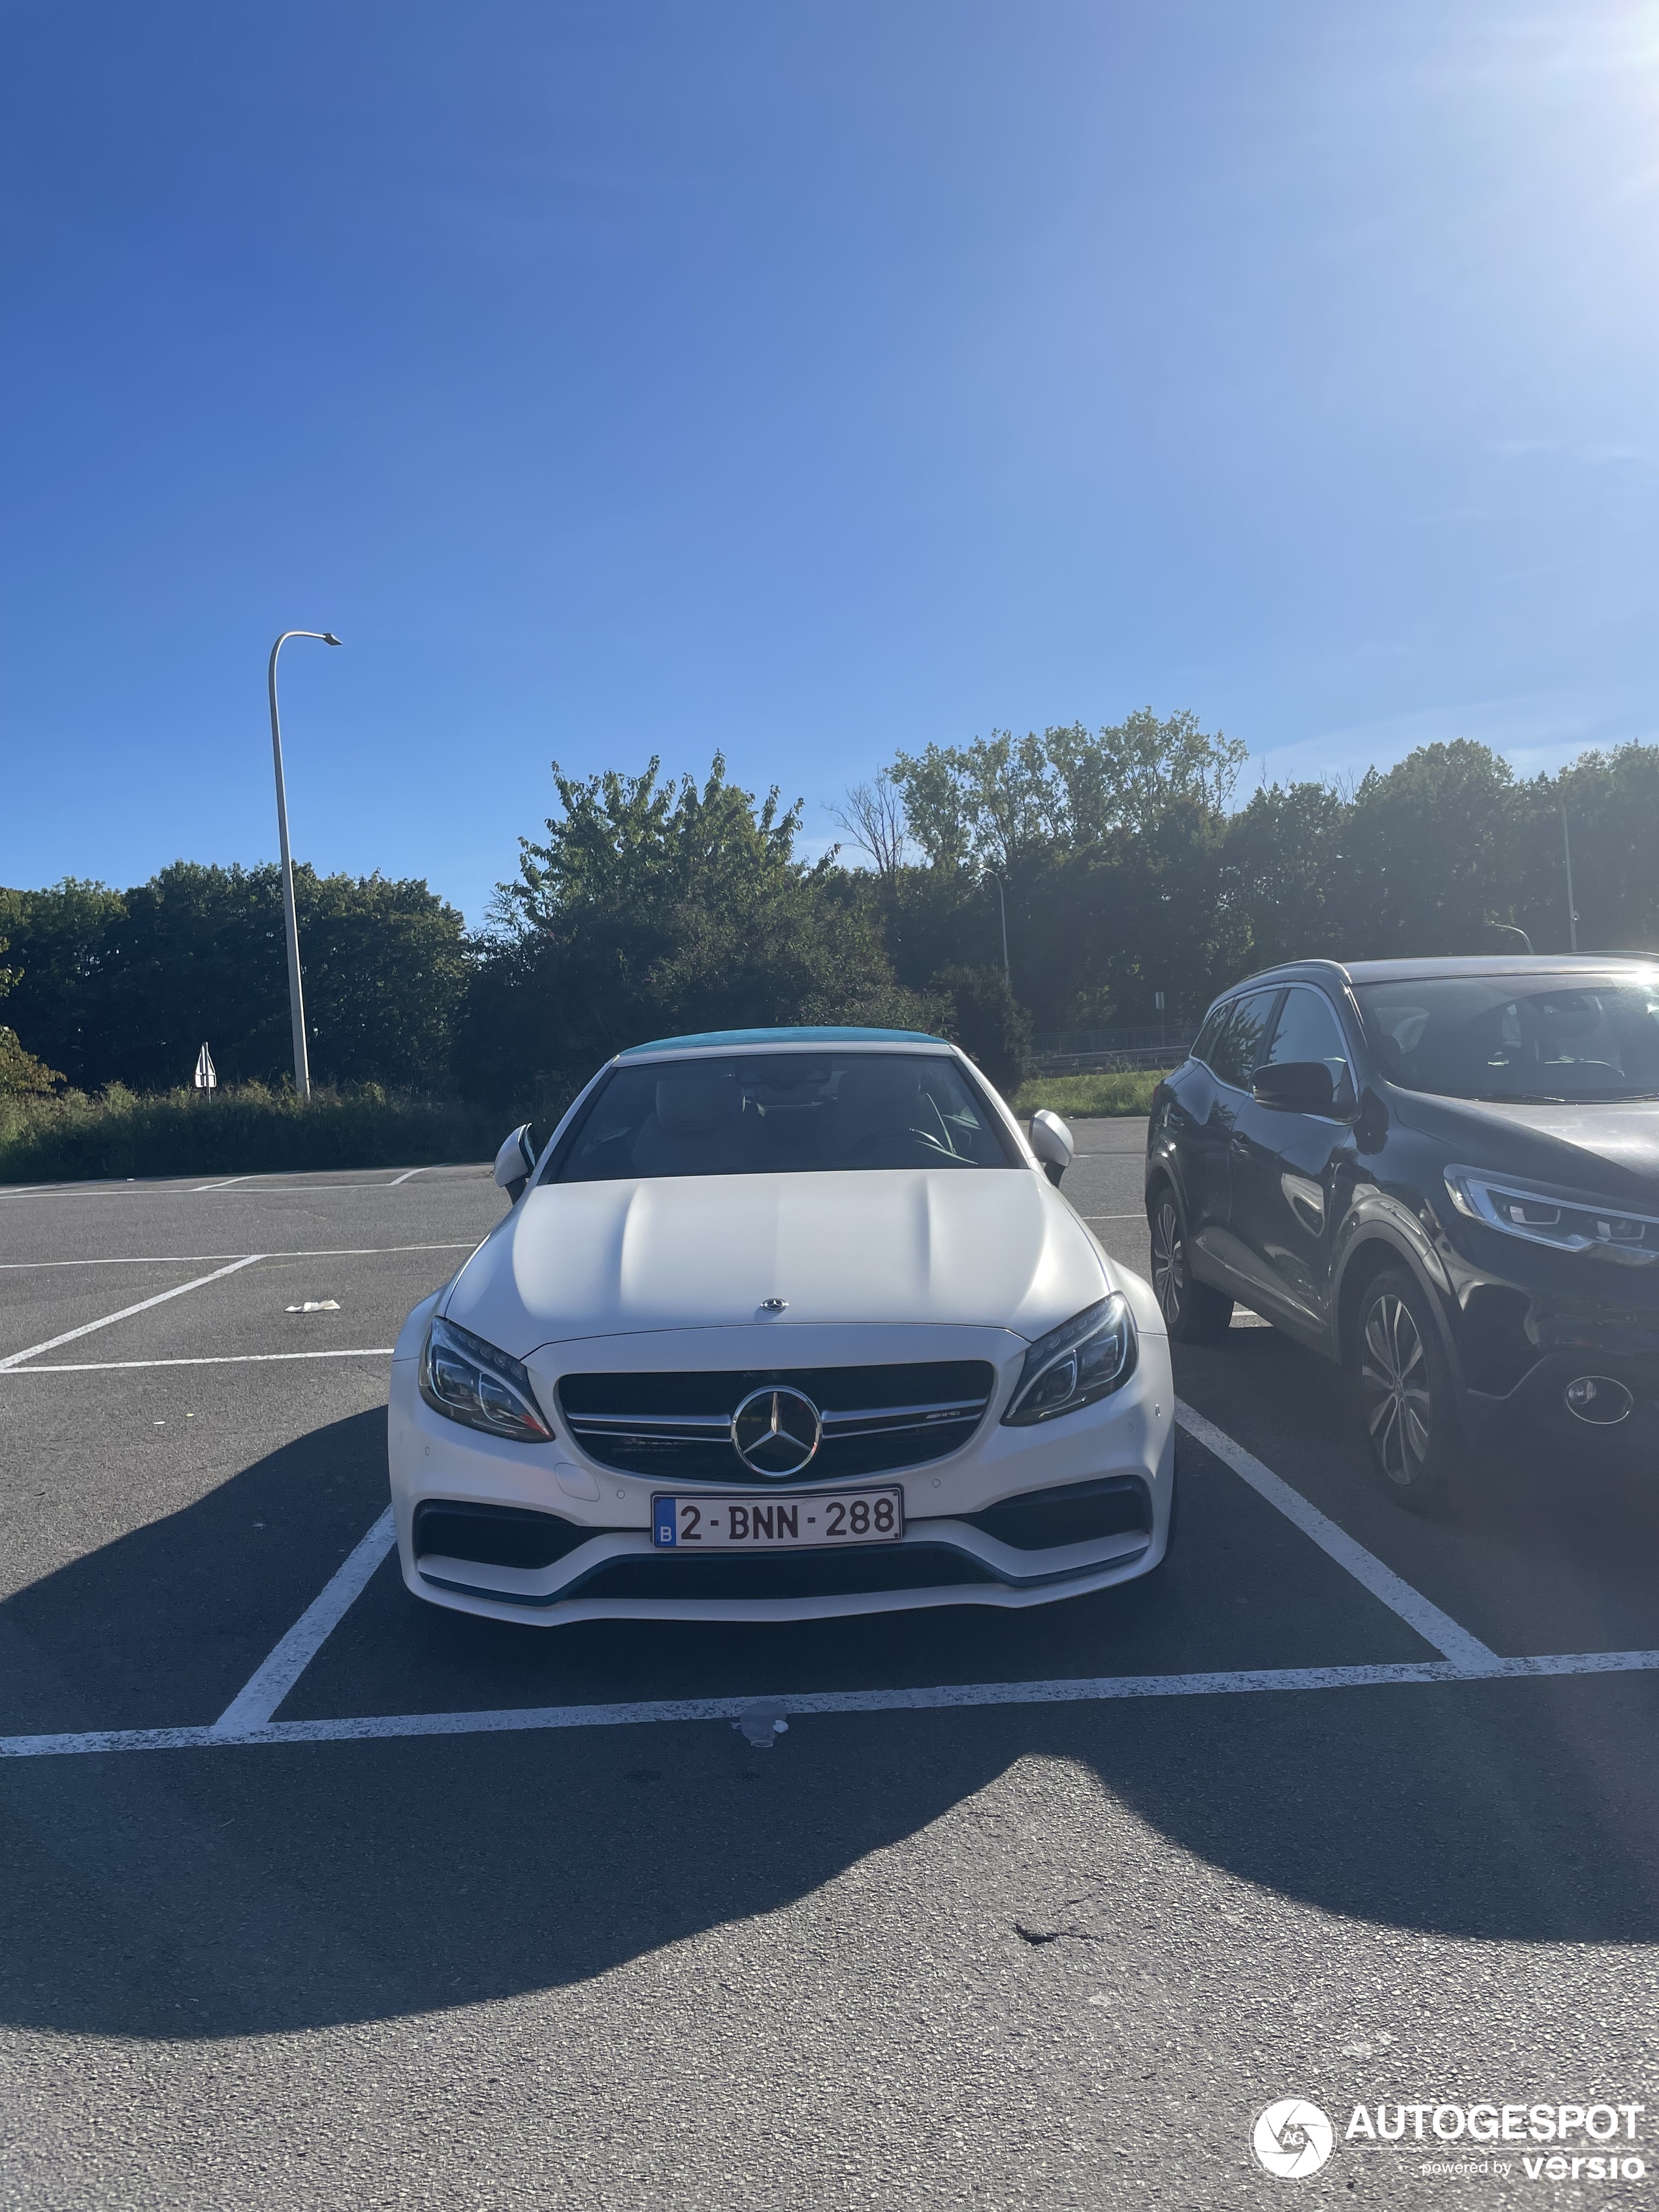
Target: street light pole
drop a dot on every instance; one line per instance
(290, 917)
(1007, 972)
(1566, 849)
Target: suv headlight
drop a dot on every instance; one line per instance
(1086, 1357)
(469, 1380)
(1570, 1225)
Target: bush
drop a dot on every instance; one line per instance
(22, 1075)
(1088, 1095)
(247, 1129)
(991, 1025)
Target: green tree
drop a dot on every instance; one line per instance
(22, 1075)
(1285, 873)
(997, 802)
(656, 907)
(989, 1024)
(1008, 803)
(1128, 776)
(59, 935)
(1159, 918)
(1430, 860)
(1612, 801)
(125, 986)
(20, 1072)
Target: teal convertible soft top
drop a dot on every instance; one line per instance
(714, 1038)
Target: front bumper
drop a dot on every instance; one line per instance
(1122, 1447)
(1528, 1322)
(1533, 1415)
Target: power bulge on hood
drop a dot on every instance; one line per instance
(783, 1323)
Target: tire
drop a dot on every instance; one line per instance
(1192, 1312)
(1408, 1400)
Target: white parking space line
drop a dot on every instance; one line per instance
(200, 1359)
(247, 1720)
(87, 1328)
(948, 1697)
(260, 1697)
(1434, 1626)
(158, 1185)
(196, 1259)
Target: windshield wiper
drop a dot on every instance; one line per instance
(1555, 1098)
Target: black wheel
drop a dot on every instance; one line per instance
(1192, 1312)
(1405, 1392)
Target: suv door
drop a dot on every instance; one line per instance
(1236, 1047)
(1293, 1173)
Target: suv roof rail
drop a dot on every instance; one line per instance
(1280, 967)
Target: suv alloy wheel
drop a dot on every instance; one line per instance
(1192, 1312)
(1405, 1388)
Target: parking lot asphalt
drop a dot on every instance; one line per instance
(1033, 1908)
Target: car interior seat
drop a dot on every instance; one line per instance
(693, 1129)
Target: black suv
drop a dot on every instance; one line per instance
(1444, 1174)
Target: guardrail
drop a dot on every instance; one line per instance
(1172, 1037)
(1107, 1063)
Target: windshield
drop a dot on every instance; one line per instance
(779, 1113)
(1524, 1038)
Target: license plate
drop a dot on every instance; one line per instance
(777, 1524)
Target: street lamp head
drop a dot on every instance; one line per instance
(329, 638)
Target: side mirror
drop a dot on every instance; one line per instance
(1294, 1086)
(515, 1163)
(1051, 1141)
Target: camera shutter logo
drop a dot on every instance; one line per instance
(776, 1431)
(1292, 2139)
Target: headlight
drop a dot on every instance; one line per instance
(1087, 1357)
(469, 1380)
(1570, 1225)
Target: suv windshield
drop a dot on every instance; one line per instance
(1520, 1038)
(772, 1114)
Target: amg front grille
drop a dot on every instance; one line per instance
(678, 1427)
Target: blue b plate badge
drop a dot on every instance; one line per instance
(813, 1521)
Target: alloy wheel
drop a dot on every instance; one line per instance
(1394, 1376)
(1169, 1261)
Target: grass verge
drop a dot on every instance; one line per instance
(1090, 1097)
(245, 1130)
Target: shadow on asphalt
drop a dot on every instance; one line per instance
(1546, 1545)
(201, 1894)
(161, 1627)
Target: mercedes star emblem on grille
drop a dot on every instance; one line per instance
(776, 1431)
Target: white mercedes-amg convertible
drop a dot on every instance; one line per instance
(782, 1323)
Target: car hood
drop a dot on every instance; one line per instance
(1566, 1144)
(890, 1247)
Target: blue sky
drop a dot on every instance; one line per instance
(806, 380)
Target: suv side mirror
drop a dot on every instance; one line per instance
(1294, 1086)
(1051, 1141)
(515, 1163)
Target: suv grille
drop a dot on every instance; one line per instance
(875, 1418)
